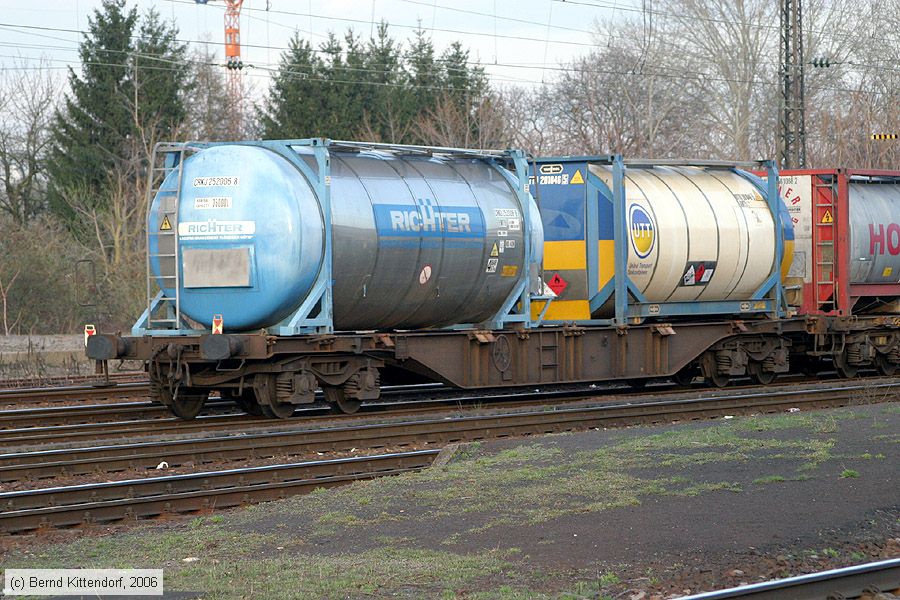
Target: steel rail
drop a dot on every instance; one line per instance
(61, 416)
(846, 582)
(82, 423)
(68, 416)
(229, 420)
(145, 498)
(23, 383)
(73, 392)
(43, 464)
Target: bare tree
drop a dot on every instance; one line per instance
(731, 47)
(636, 96)
(859, 92)
(528, 117)
(452, 124)
(4, 299)
(27, 102)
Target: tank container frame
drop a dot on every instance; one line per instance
(315, 313)
(631, 307)
(831, 291)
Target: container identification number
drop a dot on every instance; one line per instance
(223, 181)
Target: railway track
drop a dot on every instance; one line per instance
(65, 506)
(302, 439)
(859, 581)
(71, 393)
(75, 424)
(84, 422)
(151, 497)
(69, 380)
(81, 414)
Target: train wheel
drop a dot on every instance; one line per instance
(188, 403)
(337, 397)
(279, 411)
(267, 399)
(885, 366)
(844, 368)
(718, 380)
(759, 375)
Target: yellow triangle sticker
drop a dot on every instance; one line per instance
(577, 178)
(827, 218)
(495, 251)
(165, 225)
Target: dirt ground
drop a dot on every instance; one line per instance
(640, 513)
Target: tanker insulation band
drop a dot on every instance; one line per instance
(417, 240)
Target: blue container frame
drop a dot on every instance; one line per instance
(315, 313)
(631, 306)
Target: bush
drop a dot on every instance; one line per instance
(39, 289)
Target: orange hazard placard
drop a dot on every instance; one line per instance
(217, 325)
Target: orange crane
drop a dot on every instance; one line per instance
(233, 62)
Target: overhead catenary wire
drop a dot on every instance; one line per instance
(685, 74)
(310, 77)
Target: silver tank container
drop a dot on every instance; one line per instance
(874, 233)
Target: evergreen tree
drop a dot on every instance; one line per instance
(424, 72)
(373, 90)
(391, 107)
(90, 130)
(460, 81)
(159, 76)
(294, 105)
(130, 90)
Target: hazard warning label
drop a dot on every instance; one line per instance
(698, 273)
(165, 225)
(495, 251)
(827, 218)
(576, 178)
(557, 284)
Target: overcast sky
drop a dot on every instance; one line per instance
(518, 41)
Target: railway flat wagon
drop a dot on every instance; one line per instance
(278, 268)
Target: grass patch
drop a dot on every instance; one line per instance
(148, 545)
(538, 482)
(417, 572)
(849, 473)
(769, 479)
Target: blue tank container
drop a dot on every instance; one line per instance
(418, 240)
